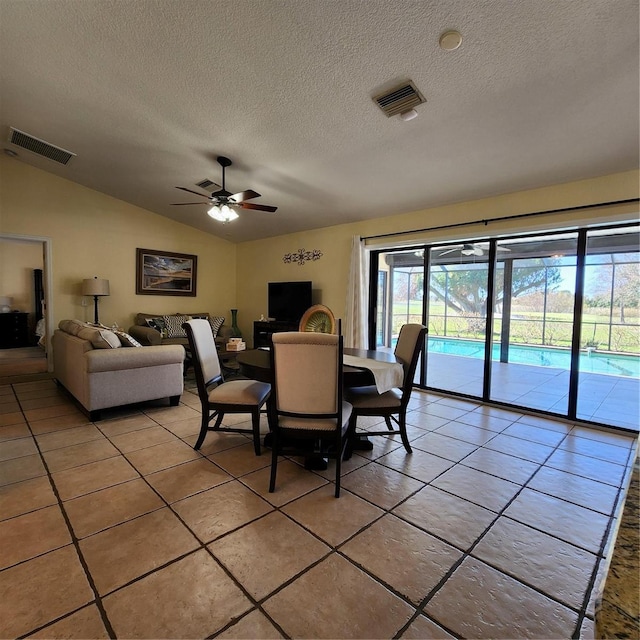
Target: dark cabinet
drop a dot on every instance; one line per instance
(14, 330)
(262, 331)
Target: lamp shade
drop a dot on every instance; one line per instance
(95, 287)
(5, 304)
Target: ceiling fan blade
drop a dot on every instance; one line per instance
(478, 251)
(241, 196)
(257, 207)
(179, 204)
(202, 195)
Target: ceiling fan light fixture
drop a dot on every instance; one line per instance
(222, 214)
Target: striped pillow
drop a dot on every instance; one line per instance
(216, 322)
(174, 325)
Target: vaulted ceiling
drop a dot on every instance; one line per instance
(147, 93)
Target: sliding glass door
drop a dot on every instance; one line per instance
(457, 317)
(534, 308)
(548, 322)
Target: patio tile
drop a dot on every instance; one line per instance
(532, 451)
(339, 586)
(595, 449)
(131, 549)
(444, 446)
(501, 465)
(422, 628)
(586, 466)
(127, 424)
(591, 494)
(56, 581)
(212, 513)
(569, 522)
(102, 509)
(22, 537)
(68, 437)
(535, 434)
(191, 598)
(478, 487)
(492, 423)
(334, 521)
(86, 623)
(420, 465)
(407, 559)
(292, 481)
(265, 553)
(19, 469)
(467, 433)
(25, 496)
(480, 602)
(141, 438)
(186, 479)
(449, 517)
(254, 625)
(239, 460)
(552, 566)
(17, 448)
(79, 454)
(161, 456)
(380, 485)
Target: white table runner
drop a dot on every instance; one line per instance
(388, 375)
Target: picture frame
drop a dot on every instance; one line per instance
(165, 273)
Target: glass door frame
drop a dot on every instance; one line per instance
(574, 369)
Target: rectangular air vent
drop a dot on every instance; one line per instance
(400, 99)
(208, 185)
(42, 148)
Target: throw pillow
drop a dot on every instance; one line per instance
(125, 339)
(158, 324)
(216, 322)
(99, 338)
(174, 325)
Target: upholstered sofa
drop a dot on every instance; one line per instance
(156, 329)
(92, 364)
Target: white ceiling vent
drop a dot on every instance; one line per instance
(399, 100)
(206, 184)
(42, 148)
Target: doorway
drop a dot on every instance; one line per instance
(19, 285)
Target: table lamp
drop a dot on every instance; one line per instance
(5, 304)
(95, 287)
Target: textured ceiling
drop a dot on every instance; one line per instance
(148, 92)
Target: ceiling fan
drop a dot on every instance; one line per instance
(224, 202)
(471, 249)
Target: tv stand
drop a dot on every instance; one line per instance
(263, 330)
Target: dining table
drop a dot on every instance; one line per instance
(256, 365)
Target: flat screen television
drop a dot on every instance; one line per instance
(289, 300)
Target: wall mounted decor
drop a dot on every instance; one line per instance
(301, 256)
(165, 273)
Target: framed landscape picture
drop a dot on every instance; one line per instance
(165, 273)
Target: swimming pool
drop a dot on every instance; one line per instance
(594, 362)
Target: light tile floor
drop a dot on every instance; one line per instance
(604, 399)
(497, 526)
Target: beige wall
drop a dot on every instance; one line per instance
(260, 262)
(95, 235)
(18, 259)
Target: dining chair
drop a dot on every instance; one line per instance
(390, 405)
(218, 397)
(307, 404)
(318, 318)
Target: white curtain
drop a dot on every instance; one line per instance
(355, 331)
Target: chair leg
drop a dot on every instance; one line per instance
(402, 423)
(203, 430)
(351, 434)
(218, 421)
(339, 453)
(387, 419)
(274, 460)
(255, 423)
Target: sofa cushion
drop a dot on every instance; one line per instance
(174, 325)
(158, 324)
(99, 337)
(125, 339)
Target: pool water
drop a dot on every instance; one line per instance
(594, 362)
